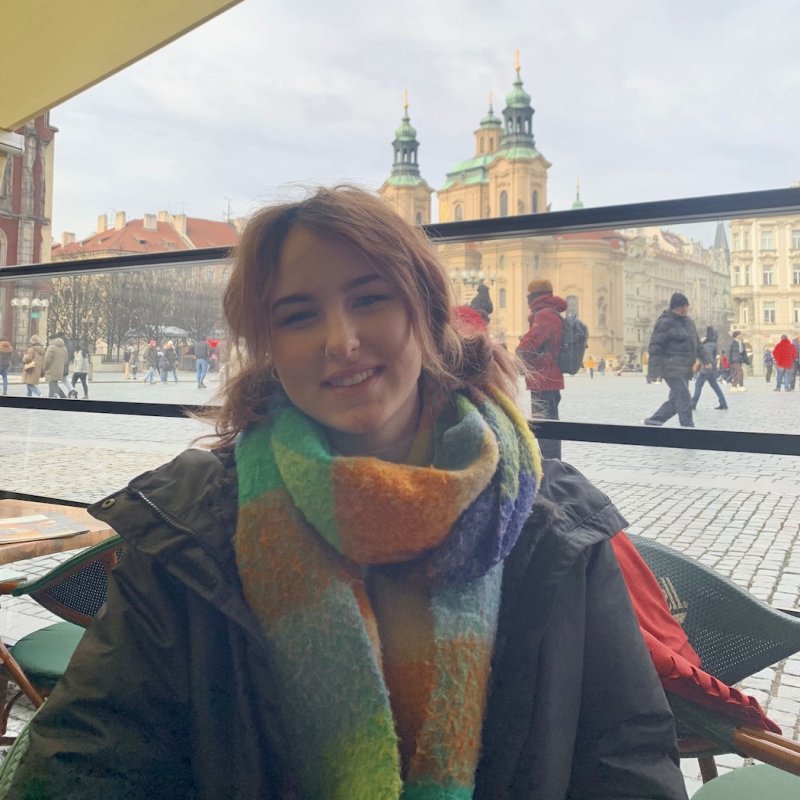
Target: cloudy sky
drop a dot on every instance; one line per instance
(639, 99)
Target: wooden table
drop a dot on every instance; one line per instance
(97, 531)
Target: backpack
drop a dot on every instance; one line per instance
(573, 344)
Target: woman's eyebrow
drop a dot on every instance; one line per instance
(289, 299)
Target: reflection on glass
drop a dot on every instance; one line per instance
(147, 326)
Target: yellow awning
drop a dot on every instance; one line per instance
(53, 49)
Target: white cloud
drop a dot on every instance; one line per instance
(642, 101)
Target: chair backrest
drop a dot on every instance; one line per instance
(77, 588)
(734, 633)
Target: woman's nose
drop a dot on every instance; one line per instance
(341, 337)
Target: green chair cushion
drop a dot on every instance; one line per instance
(44, 654)
(746, 783)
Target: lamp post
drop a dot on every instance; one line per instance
(463, 279)
(26, 310)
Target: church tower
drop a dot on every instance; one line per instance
(405, 189)
(507, 175)
(518, 175)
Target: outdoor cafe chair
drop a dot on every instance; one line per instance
(735, 634)
(75, 591)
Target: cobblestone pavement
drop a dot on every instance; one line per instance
(737, 513)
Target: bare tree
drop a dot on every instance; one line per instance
(75, 309)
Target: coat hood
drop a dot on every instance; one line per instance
(548, 301)
(5, 347)
(57, 342)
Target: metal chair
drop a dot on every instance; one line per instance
(74, 591)
(735, 635)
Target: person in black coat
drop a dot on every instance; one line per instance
(707, 373)
(482, 302)
(674, 348)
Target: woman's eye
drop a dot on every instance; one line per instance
(296, 318)
(370, 299)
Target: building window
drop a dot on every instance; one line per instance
(767, 276)
(746, 240)
(769, 313)
(418, 218)
(481, 146)
(209, 274)
(502, 262)
(501, 298)
(767, 240)
(735, 242)
(737, 276)
(747, 276)
(795, 240)
(796, 274)
(572, 304)
(458, 212)
(796, 314)
(534, 202)
(503, 204)
(744, 316)
(3, 248)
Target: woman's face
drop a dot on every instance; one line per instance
(343, 345)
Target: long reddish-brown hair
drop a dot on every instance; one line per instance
(402, 254)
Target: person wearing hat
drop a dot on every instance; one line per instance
(674, 348)
(539, 349)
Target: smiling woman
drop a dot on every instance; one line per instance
(373, 584)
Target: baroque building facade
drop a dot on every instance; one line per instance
(618, 282)
(765, 278)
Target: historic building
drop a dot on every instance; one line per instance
(765, 278)
(617, 282)
(26, 202)
(153, 233)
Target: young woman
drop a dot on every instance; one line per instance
(354, 594)
(81, 372)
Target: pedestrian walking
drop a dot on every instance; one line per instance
(674, 348)
(55, 358)
(785, 354)
(151, 362)
(769, 361)
(591, 366)
(134, 362)
(737, 358)
(539, 349)
(724, 368)
(708, 370)
(82, 363)
(202, 354)
(601, 368)
(371, 586)
(796, 369)
(32, 366)
(171, 361)
(6, 352)
(126, 361)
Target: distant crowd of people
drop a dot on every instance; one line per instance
(161, 361)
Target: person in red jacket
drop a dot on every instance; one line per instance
(539, 348)
(784, 353)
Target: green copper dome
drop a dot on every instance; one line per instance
(578, 202)
(406, 131)
(518, 97)
(490, 120)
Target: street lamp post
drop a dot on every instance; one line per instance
(26, 310)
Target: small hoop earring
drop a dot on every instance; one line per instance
(274, 373)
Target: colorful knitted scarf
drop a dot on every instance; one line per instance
(313, 525)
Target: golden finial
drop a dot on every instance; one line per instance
(517, 65)
(405, 100)
(491, 99)
(578, 185)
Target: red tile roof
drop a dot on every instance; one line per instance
(135, 238)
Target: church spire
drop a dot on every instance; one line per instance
(518, 113)
(405, 145)
(578, 202)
